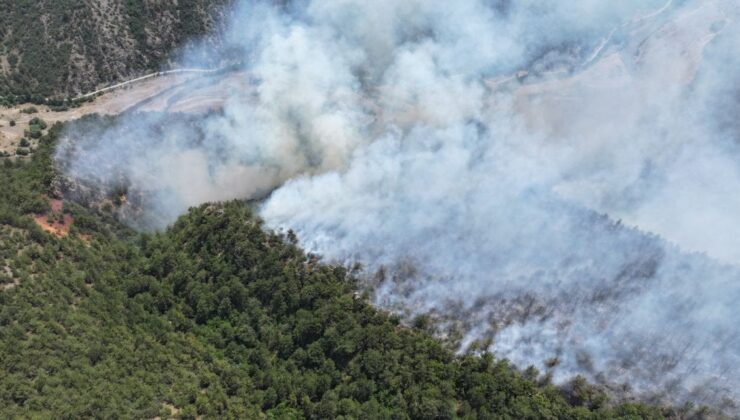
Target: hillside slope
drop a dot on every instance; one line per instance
(218, 317)
(59, 48)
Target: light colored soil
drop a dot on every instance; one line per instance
(187, 92)
(16, 281)
(174, 411)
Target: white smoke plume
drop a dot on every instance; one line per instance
(560, 177)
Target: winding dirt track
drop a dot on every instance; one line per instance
(145, 77)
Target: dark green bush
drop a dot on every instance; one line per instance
(38, 122)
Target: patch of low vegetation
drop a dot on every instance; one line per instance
(36, 127)
(38, 122)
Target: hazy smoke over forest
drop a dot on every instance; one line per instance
(561, 176)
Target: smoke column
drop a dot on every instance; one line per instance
(560, 178)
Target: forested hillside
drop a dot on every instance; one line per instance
(59, 48)
(218, 317)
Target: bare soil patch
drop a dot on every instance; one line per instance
(57, 223)
(111, 103)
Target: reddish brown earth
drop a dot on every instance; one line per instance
(57, 228)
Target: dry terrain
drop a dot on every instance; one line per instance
(175, 93)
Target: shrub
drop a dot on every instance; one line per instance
(34, 132)
(38, 122)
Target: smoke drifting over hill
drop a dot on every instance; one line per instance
(560, 176)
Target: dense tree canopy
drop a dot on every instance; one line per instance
(60, 48)
(219, 317)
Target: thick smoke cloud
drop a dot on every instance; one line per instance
(559, 177)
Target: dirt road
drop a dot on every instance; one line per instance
(145, 77)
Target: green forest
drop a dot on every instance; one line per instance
(56, 49)
(217, 317)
